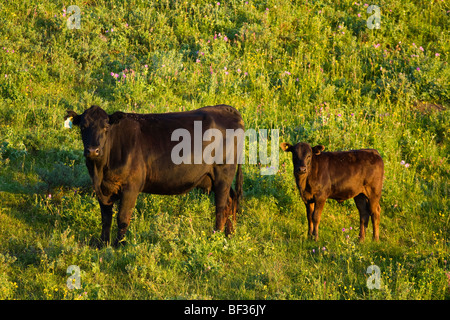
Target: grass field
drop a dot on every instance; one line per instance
(311, 69)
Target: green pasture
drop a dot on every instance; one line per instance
(311, 69)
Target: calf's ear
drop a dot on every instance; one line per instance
(318, 149)
(75, 117)
(286, 146)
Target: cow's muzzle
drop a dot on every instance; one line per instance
(92, 152)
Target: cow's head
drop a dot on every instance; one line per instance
(94, 125)
(302, 154)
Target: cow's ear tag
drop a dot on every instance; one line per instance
(68, 123)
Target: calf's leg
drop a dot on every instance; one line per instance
(364, 214)
(309, 213)
(318, 207)
(375, 210)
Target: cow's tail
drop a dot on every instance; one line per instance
(238, 184)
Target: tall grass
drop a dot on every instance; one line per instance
(312, 70)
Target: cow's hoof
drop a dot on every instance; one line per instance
(119, 243)
(98, 243)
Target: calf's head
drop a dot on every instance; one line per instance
(94, 125)
(302, 154)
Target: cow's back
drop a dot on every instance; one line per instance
(157, 137)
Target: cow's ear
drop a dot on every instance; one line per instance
(318, 149)
(75, 117)
(286, 146)
(116, 117)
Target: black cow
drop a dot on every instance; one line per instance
(129, 153)
(340, 175)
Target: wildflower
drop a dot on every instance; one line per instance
(313, 250)
(402, 162)
(49, 195)
(339, 115)
(418, 69)
(116, 75)
(407, 165)
(359, 15)
(343, 229)
(288, 73)
(218, 3)
(239, 71)
(146, 66)
(437, 54)
(420, 48)
(377, 45)
(225, 38)
(197, 61)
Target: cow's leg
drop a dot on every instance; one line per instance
(222, 184)
(221, 195)
(318, 207)
(375, 210)
(364, 214)
(107, 213)
(127, 203)
(231, 212)
(309, 213)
